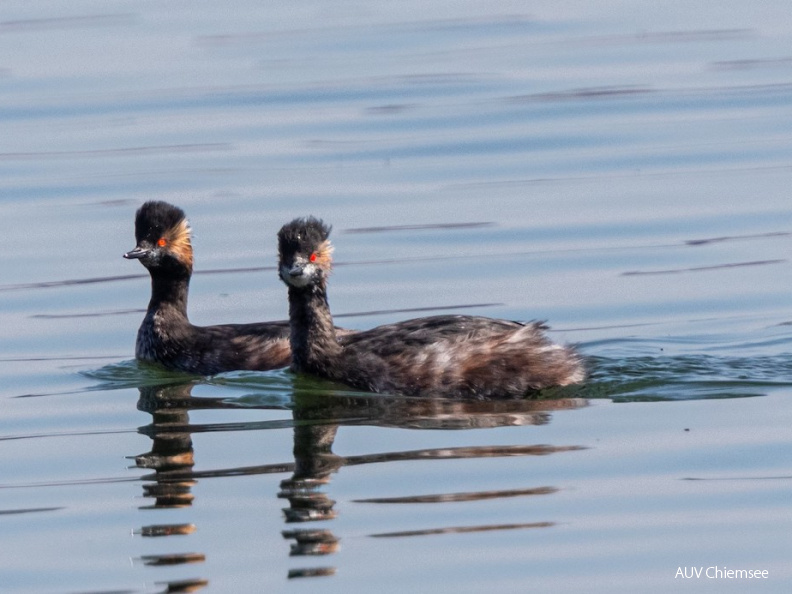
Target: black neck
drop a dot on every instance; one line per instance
(313, 338)
(169, 290)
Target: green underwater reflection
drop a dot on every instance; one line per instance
(621, 379)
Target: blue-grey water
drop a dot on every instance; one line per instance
(622, 170)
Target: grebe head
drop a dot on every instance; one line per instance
(304, 252)
(163, 237)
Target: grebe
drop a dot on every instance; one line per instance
(166, 335)
(449, 355)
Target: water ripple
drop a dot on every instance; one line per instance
(686, 377)
(463, 529)
(458, 497)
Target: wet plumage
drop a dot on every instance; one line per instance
(449, 356)
(166, 335)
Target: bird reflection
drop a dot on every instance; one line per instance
(316, 416)
(314, 461)
(172, 448)
(171, 453)
(314, 433)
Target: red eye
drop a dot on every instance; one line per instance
(313, 257)
(162, 242)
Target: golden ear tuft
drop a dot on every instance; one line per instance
(323, 254)
(178, 240)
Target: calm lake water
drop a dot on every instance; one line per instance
(622, 170)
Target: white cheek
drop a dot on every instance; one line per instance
(298, 281)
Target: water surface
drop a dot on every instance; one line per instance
(620, 171)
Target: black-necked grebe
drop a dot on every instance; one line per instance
(166, 335)
(449, 355)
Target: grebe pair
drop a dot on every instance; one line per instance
(445, 356)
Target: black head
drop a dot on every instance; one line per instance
(304, 252)
(163, 237)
